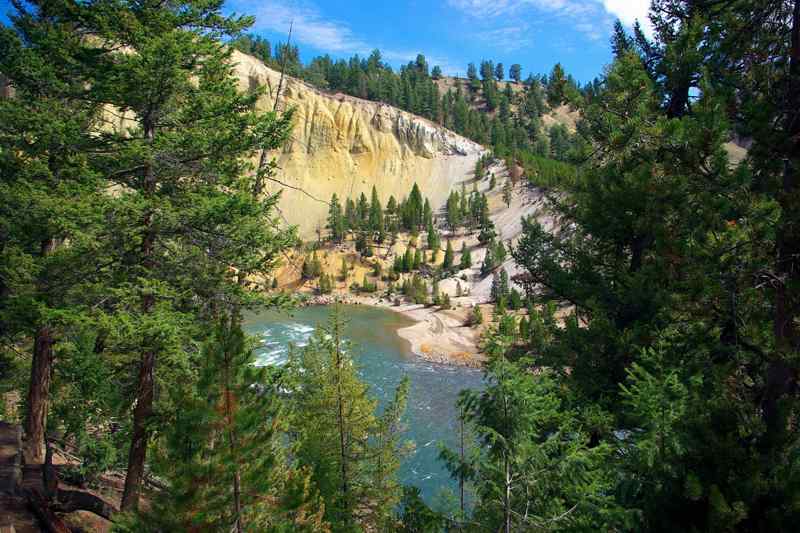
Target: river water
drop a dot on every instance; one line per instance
(384, 358)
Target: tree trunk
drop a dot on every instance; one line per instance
(341, 423)
(141, 434)
(38, 395)
(145, 388)
(782, 377)
(232, 442)
(461, 456)
(507, 496)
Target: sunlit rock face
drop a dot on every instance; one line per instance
(346, 145)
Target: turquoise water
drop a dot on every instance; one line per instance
(384, 359)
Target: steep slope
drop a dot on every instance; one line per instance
(346, 145)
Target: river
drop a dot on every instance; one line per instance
(383, 359)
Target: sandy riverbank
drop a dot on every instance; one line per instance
(438, 336)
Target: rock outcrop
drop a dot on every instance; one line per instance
(346, 145)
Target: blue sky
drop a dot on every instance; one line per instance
(451, 33)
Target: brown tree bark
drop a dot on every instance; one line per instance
(782, 377)
(145, 387)
(38, 396)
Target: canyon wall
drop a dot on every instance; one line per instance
(346, 145)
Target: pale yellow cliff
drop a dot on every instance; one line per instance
(346, 145)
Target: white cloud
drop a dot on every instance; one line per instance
(508, 38)
(592, 18)
(629, 11)
(312, 28)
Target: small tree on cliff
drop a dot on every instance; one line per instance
(336, 219)
(448, 256)
(466, 257)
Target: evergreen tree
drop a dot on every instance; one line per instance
(224, 457)
(376, 215)
(466, 257)
(336, 222)
(408, 260)
(187, 211)
(499, 72)
(350, 216)
(532, 465)
(362, 212)
(433, 237)
(448, 256)
(487, 70)
(508, 191)
(515, 72)
(488, 261)
(453, 210)
(427, 214)
(351, 451)
(436, 73)
(52, 194)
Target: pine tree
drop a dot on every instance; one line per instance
(350, 216)
(432, 237)
(352, 453)
(508, 192)
(52, 194)
(362, 212)
(408, 260)
(499, 72)
(376, 225)
(488, 261)
(532, 465)
(515, 72)
(448, 256)
(466, 257)
(417, 259)
(224, 458)
(183, 180)
(427, 214)
(336, 223)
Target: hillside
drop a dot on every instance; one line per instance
(560, 115)
(345, 145)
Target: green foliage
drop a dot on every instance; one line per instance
(352, 452)
(325, 285)
(531, 465)
(312, 267)
(466, 257)
(223, 457)
(508, 191)
(415, 515)
(475, 316)
(668, 347)
(448, 256)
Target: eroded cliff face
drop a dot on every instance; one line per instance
(346, 145)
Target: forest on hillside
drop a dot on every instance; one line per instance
(507, 120)
(653, 385)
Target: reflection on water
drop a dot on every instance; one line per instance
(384, 359)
